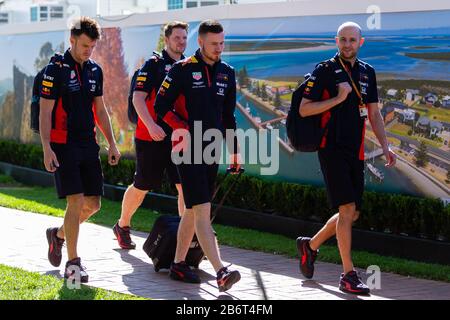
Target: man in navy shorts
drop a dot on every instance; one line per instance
(207, 88)
(345, 95)
(71, 105)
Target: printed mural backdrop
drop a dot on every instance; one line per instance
(270, 57)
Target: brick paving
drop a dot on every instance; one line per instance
(264, 276)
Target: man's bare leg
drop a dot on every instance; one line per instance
(205, 234)
(344, 235)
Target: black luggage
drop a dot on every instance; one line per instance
(161, 244)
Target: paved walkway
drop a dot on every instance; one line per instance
(264, 276)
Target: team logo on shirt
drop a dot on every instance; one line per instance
(364, 77)
(47, 84)
(168, 67)
(221, 92)
(45, 91)
(72, 74)
(310, 84)
(165, 84)
(222, 76)
(196, 75)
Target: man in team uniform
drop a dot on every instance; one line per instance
(206, 87)
(71, 104)
(345, 95)
(152, 139)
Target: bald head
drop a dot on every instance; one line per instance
(349, 40)
(349, 25)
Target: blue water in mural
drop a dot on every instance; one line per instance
(386, 54)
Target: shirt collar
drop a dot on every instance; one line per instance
(71, 61)
(346, 63)
(168, 58)
(199, 57)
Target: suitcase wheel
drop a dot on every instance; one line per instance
(156, 269)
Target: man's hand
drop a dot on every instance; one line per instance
(344, 89)
(113, 155)
(390, 156)
(50, 161)
(156, 132)
(235, 162)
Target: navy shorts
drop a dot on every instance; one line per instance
(79, 171)
(344, 177)
(198, 182)
(152, 159)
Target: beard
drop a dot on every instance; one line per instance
(348, 55)
(214, 58)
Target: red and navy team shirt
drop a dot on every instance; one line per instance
(150, 77)
(73, 88)
(346, 128)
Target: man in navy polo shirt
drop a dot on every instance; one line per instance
(345, 94)
(71, 105)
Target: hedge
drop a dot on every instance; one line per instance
(381, 212)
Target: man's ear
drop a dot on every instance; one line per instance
(72, 41)
(361, 41)
(336, 39)
(200, 41)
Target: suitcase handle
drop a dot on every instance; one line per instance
(219, 206)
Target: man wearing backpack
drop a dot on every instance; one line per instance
(341, 152)
(152, 139)
(71, 104)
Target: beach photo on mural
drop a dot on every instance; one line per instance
(411, 56)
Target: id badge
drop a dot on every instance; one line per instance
(363, 112)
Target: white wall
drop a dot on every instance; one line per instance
(283, 10)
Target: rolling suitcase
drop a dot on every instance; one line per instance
(161, 244)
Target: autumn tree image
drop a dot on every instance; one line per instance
(109, 55)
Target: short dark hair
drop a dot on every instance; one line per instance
(168, 28)
(87, 26)
(212, 26)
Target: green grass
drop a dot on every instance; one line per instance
(43, 200)
(18, 284)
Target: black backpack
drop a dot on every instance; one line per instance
(35, 99)
(305, 133)
(132, 114)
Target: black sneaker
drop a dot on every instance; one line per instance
(123, 237)
(54, 247)
(307, 257)
(351, 283)
(226, 278)
(182, 272)
(72, 268)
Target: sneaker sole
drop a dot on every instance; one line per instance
(235, 277)
(122, 246)
(300, 251)
(176, 277)
(49, 236)
(360, 293)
